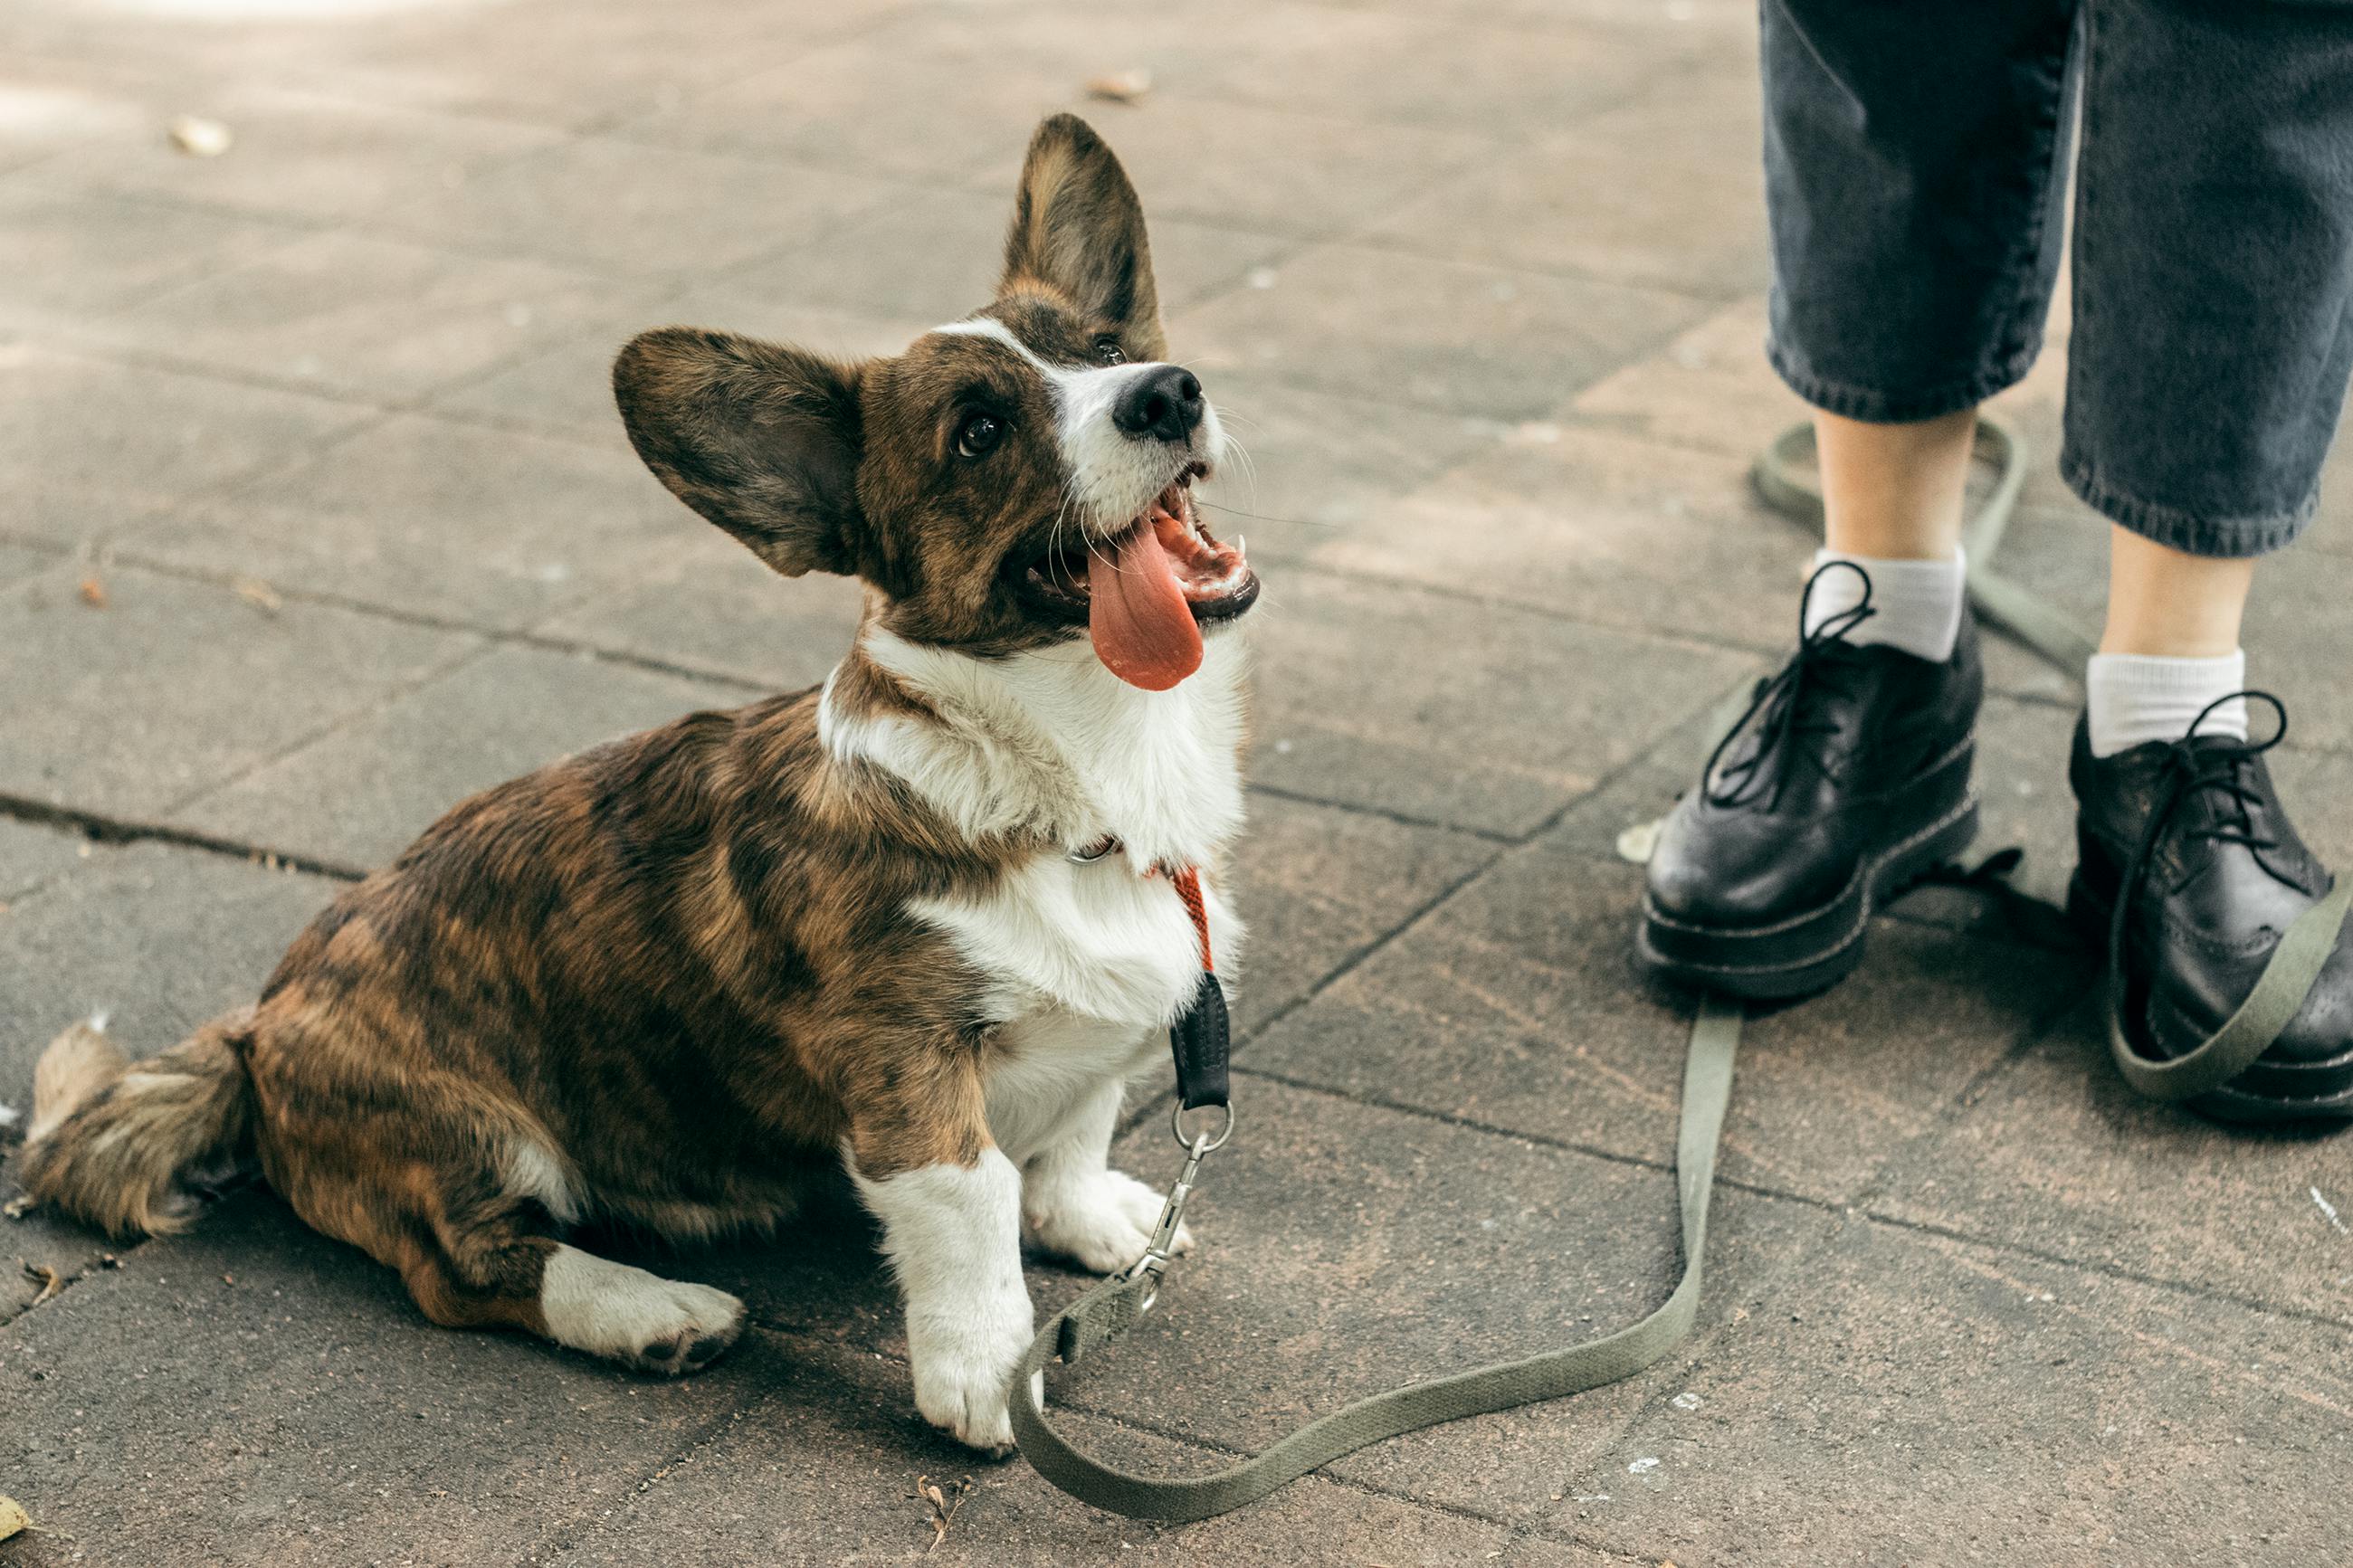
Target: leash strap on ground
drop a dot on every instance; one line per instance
(1111, 1308)
(2287, 980)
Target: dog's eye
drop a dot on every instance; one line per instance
(1109, 349)
(978, 435)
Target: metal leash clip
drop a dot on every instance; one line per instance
(1155, 1262)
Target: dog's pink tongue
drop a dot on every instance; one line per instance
(1143, 629)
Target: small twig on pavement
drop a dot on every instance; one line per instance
(47, 1276)
(943, 1508)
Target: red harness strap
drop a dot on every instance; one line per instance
(1188, 887)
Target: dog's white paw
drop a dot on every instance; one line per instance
(669, 1327)
(1102, 1223)
(965, 1397)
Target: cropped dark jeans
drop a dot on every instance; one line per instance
(1916, 163)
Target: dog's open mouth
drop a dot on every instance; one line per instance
(1147, 592)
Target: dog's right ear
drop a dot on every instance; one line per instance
(762, 439)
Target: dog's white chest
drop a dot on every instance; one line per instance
(1084, 966)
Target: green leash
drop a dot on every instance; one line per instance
(1782, 478)
(1111, 1308)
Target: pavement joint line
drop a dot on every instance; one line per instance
(105, 829)
(77, 343)
(2191, 1289)
(131, 556)
(568, 1536)
(1402, 819)
(335, 725)
(1946, 1117)
(1844, 1208)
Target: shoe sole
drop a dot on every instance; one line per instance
(2091, 917)
(1876, 884)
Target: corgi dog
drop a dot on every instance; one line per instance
(921, 922)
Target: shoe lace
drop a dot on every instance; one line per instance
(2191, 770)
(1784, 718)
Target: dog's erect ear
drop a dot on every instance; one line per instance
(1077, 229)
(762, 439)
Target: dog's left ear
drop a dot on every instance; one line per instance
(763, 439)
(1079, 229)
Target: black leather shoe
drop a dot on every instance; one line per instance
(2191, 837)
(1847, 779)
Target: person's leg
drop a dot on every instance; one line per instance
(1914, 159)
(2213, 340)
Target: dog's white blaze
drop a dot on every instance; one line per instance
(952, 1234)
(1111, 476)
(1049, 742)
(609, 1308)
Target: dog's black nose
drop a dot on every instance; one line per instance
(1161, 404)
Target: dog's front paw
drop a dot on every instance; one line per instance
(963, 1354)
(1103, 1223)
(965, 1400)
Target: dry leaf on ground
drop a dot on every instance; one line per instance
(1120, 87)
(199, 137)
(944, 1508)
(13, 1521)
(47, 1277)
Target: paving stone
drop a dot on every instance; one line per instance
(17, 561)
(1610, 530)
(365, 316)
(556, 63)
(1345, 1249)
(86, 445)
(1666, 190)
(1465, 338)
(2057, 1155)
(1473, 715)
(76, 257)
(42, 118)
(159, 938)
(358, 796)
(301, 154)
(939, 95)
(710, 605)
(570, 388)
(31, 853)
(1712, 388)
(177, 686)
(599, 203)
(436, 519)
(1311, 468)
(1247, 167)
(1418, 67)
(1927, 1401)
(825, 1472)
(1516, 1004)
(1318, 886)
(254, 1393)
(936, 256)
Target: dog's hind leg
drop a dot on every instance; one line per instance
(483, 1248)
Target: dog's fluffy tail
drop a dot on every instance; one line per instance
(120, 1145)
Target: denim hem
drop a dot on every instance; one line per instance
(1876, 405)
(2226, 538)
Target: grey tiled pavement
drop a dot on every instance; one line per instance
(322, 423)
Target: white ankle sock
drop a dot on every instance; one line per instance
(2136, 698)
(1918, 601)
